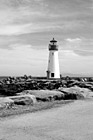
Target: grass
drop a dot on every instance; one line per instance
(19, 109)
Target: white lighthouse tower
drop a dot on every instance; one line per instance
(53, 62)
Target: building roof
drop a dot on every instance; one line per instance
(53, 40)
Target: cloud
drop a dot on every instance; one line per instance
(84, 52)
(27, 26)
(70, 43)
(25, 16)
(80, 46)
(16, 12)
(14, 29)
(73, 40)
(40, 15)
(23, 59)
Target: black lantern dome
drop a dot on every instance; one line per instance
(53, 45)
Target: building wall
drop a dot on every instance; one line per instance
(53, 64)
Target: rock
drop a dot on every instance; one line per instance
(32, 97)
(80, 93)
(24, 99)
(70, 96)
(6, 102)
(50, 98)
(58, 97)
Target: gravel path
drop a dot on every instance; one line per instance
(73, 121)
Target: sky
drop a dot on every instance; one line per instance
(27, 26)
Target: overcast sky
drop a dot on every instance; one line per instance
(27, 26)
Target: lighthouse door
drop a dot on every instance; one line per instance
(52, 74)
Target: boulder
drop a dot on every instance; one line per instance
(80, 92)
(6, 102)
(24, 99)
(58, 97)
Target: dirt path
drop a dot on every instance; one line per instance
(70, 122)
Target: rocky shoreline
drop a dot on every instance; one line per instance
(12, 85)
(29, 95)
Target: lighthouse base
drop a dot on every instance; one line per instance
(52, 75)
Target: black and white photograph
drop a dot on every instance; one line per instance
(46, 69)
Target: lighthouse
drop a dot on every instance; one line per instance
(53, 61)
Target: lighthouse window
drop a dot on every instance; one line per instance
(52, 53)
(52, 74)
